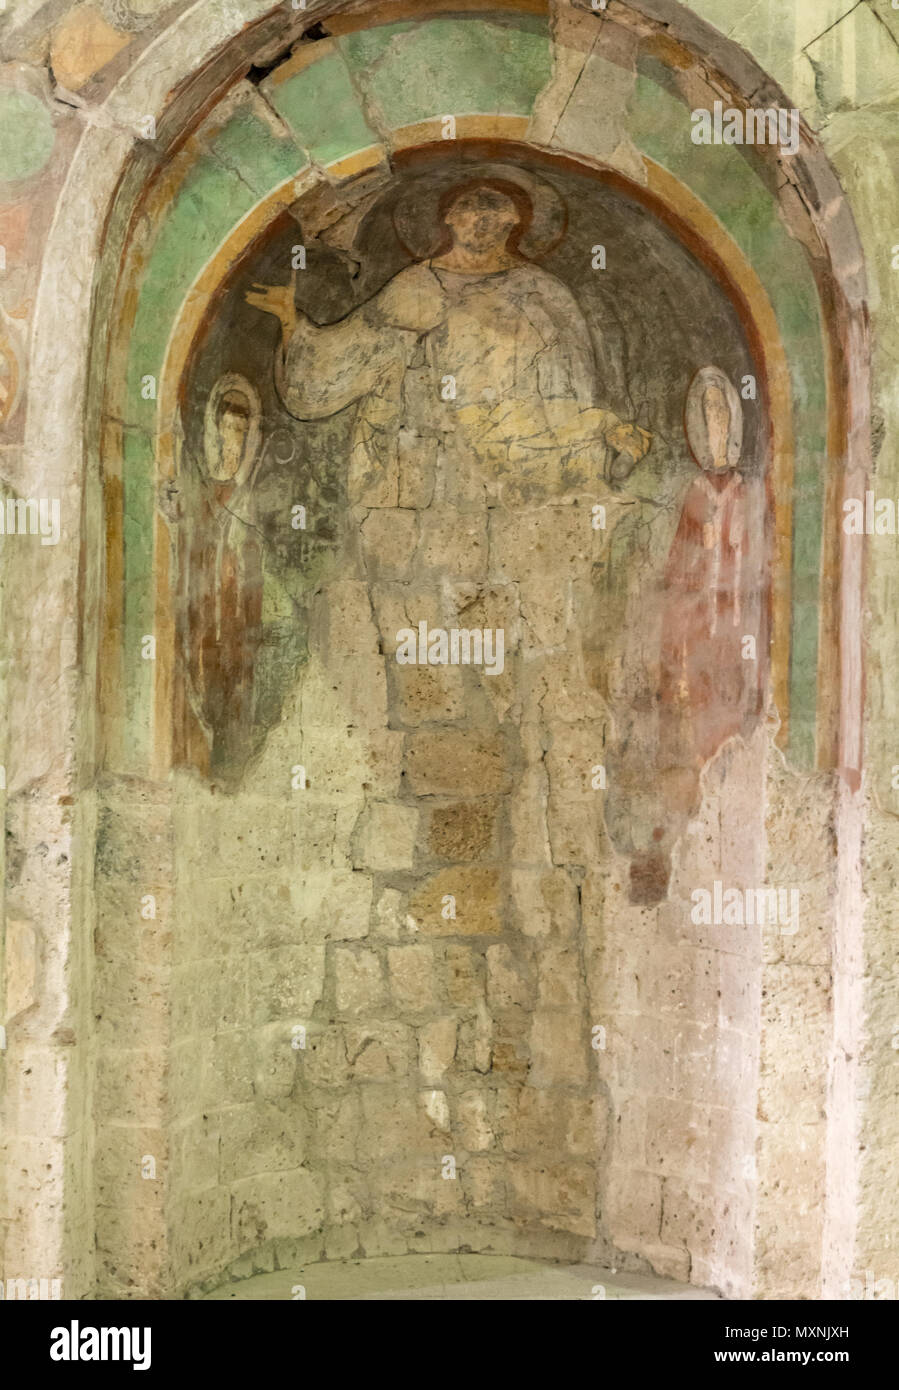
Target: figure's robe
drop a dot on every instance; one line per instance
(504, 360)
(707, 687)
(223, 576)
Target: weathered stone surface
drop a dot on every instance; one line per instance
(437, 1110)
(386, 836)
(632, 1202)
(464, 831)
(412, 977)
(275, 1204)
(84, 43)
(559, 1195)
(359, 980)
(428, 694)
(395, 1123)
(436, 1048)
(21, 968)
(464, 974)
(260, 1139)
(286, 983)
(334, 904)
(508, 981)
(462, 901)
(336, 1128)
(560, 1047)
(451, 763)
(543, 1121)
(473, 1121)
(379, 1049)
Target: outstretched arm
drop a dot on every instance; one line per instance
(279, 300)
(321, 370)
(625, 442)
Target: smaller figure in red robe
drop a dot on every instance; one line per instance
(703, 689)
(711, 675)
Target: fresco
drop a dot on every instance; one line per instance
(475, 364)
(444, 445)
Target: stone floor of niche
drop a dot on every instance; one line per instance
(455, 1277)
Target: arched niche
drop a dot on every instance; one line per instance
(124, 434)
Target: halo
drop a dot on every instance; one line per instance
(694, 418)
(421, 232)
(232, 381)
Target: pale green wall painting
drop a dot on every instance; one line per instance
(401, 73)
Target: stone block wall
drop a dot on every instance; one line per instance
(681, 1002)
(379, 1028)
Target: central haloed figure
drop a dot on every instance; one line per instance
(478, 454)
(474, 340)
(478, 432)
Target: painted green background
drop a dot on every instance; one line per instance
(407, 72)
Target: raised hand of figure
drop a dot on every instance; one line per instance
(278, 300)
